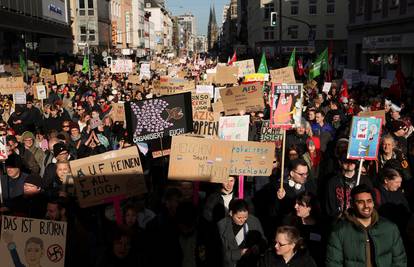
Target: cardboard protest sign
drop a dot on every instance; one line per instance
(3, 148)
(283, 75)
(41, 92)
(11, 85)
(246, 98)
(155, 118)
(78, 67)
(218, 106)
(364, 138)
(104, 176)
(245, 67)
(135, 79)
(32, 242)
(45, 72)
(268, 134)
(234, 128)
(286, 101)
(202, 159)
(226, 74)
(206, 123)
(378, 114)
(62, 78)
(122, 66)
(213, 160)
(19, 98)
(118, 112)
(205, 89)
(145, 71)
(170, 86)
(200, 102)
(256, 77)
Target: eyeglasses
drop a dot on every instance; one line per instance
(65, 126)
(79, 109)
(301, 174)
(281, 245)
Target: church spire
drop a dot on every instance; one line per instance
(214, 15)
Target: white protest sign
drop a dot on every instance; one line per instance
(145, 71)
(121, 66)
(205, 89)
(3, 149)
(234, 128)
(19, 98)
(32, 242)
(326, 87)
(41, 92)
(1, 68)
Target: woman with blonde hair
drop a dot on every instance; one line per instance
(7, 110)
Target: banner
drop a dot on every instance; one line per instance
(364, 138)
(205, 89)
(242, 99)
(200, 102)
(62, 78)
(286, 103)
(32, 242)
(211, 160)
(283, 75)
(234, 128)
(11, 85)
(268, 134)
(45, 72)
(245, 67)
(226, 75)
(206, 123)
(122, 66)
(156, 118)
(102, 177)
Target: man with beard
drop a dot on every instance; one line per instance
(364, 238)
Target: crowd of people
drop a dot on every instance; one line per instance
(320, 217)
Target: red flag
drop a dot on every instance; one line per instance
(398, 84)
(329, 71)
(344, 93)
(299, 68)
(233, 59)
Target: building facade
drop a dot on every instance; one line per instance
(187, 34)
(381, 35)
(229, 38)
(309, 26)
(163, 26)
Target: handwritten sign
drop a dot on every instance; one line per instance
(170, 86)
(257, 77)
(227, 75)
(19, 98)
(245, 67)
(41, 92)
(234, 128)
(326, 87)
(283, 75)
(206, 123)
(205, 89)
(242, 99)
(268, 134)
(62, 78)
(145, 71)
(11, 85)
(32, 242)
(3, 148)
(122, 66)
(135, 79)
(118, 112)
(200, 102)
(45, 72)
(115, 173)
(286, 105)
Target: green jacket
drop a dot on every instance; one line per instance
(348, 240)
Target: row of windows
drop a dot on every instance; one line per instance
(86, 6)
(379, 4)
(293, 32)
(294, 8)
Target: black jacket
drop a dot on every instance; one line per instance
(300, 259)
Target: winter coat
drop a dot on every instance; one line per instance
(230, 249)
(347, 245)
(300, 259)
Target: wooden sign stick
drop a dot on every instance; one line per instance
(282, 167)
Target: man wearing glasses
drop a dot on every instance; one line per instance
(79, 111)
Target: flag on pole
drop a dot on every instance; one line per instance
(85, 66)
(321, 63)
(233, 59)
(344, 93)
(300, 68)
(22, 63)
(292, 58)
(263, 65)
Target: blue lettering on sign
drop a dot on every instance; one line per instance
(55, 9)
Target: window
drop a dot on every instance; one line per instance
(293, 31)
(83, 33)
(330, 7)
(269, 33)
(81, 3)
(91, 35)
(268, 8)
(360, 7)
(330, 31)
(378, 5)
(294, 7)
(312, 7)
(90, 4)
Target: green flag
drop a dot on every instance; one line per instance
(292, 58)
(22, 63)
(263, 65)
(85, 66)
(321, 63)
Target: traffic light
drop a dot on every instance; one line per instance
(273, 19)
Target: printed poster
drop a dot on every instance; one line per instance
(286, 105)
(151, 119)
(364, 138)
(32, 242)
